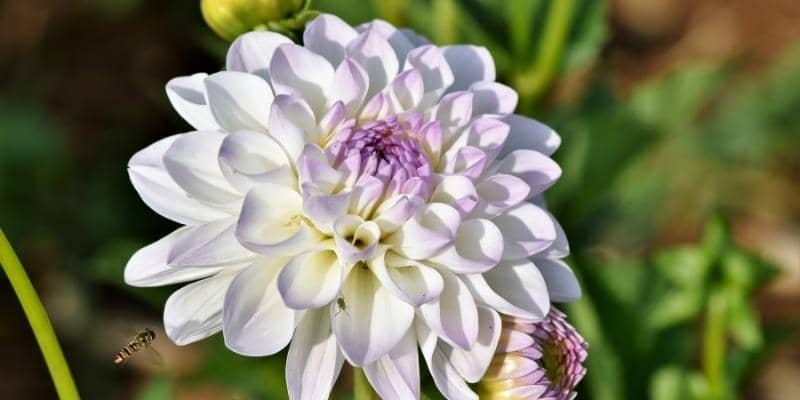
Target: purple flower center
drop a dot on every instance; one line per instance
(387, 149)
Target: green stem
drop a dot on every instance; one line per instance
(532, 81)
(714, 344)
(40, 323)
(361, 387)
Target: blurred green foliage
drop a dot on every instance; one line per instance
(640, 169)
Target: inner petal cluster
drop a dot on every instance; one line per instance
(387, 149)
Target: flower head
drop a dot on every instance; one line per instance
(360, 196)
(536, 360)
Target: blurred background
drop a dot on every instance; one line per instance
(680, 194)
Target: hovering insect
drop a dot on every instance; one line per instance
(142, 340)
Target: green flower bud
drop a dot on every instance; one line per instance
(231, 18)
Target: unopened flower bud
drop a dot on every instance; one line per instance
(231, 18)
(536, 360)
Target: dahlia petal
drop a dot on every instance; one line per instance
(314, 360)
(493, 98)
(255, 322)
(536, 169)
(315, 171)
(515, 288)
(473, 363)
(415, 38)
(299, 71)
(148, 266)
(453, 316)
(187, 94)
(499, 193)
(377, 57)
(372, 321)
(450, 384)
(366, 194)
(310, 280)
(513, 340)
(560, 246)
(395, 376)
(209, 245)
(478, 247)
(487, 134)
(160, 192)
(252, 52)
(410, 281)
(398, 40)
(271, 222)
(470, 64)
(194, 312)
(561, 282)
(324, 210)
(430, 61)
(527, 133)
(406, 91)
(457, 191)
(186, 161)
(428, 232)
(467, 161)
(395, 213)
(350, 85)
(527, 230)
(355, 238)
(455, 109)
(375, 108)
(238, 100)
(248, 159)
(292, 124)
(328, 35)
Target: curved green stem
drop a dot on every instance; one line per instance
(40, 323)
(361, 387)
(533, 81)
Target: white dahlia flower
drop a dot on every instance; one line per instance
(354, 198)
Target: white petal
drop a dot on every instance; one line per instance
(355, 238)
(427, 233)
(188, 96)
(194, 312)
(478, 247)
(328, 35)
(467, 161)
(299, 71)
(446, 378)
(411, 281)
(455, 109)
(314, 360)
(560, 246)
(372, 322)
(271, 222)
(160, 192)
(499, 193)
(192, 163)
(252, 52)
(310, 280)
(239, 100)
(324, 210)
(377, 57)
(470, 64)
(209, 245)
(493, 98)
(454, 316)
(514, 288)
(248, 159)
(536, 169)
(456, 190)
(527, 133)
(255, 321)
(148, 266)
(472, 364)
(397, 39)
(395, 376)
(350, 85)
(394, 212)
(527, 230)
(436, 73)
(561, 282)
(405, 92)
(292, 124)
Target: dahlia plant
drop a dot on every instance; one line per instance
(355, 199)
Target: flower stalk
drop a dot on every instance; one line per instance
(40, 323)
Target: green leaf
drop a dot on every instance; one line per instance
(589, 34)
(158, 388)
